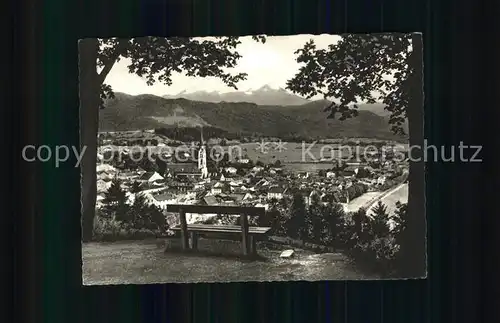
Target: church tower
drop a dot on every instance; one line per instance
(202, 157)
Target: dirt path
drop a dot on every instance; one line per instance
(142, 262)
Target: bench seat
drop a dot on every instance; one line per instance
(248, 234)
(223, 229)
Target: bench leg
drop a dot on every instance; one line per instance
(184, 230)
(194, 240)
(253, 245)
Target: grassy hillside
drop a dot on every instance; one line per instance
(127, 112)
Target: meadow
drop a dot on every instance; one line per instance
(293, 156)
(287, 152)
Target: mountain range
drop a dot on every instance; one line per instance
(265, 95)
(128, 112)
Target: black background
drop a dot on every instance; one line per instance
(42, 206)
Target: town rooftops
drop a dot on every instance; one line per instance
(210, 200)
(164, 197)
(277, 189)
(182, 167)
(237, 197)
(218, 184)
(146, 175)
(105, 168)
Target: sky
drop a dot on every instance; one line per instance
(272, 63)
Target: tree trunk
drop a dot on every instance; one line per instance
(413, 245)
(89, 121)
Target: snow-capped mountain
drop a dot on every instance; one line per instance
(265, 95)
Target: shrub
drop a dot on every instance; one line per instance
(118, 220)
(372, 245)
(377, 255)
(106, 229)
(296, 223)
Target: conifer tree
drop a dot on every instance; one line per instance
(315, 220)
(378, 225)
(136, 187)
(296, 227)
(115, 202)
(334, 219)
(138, 211)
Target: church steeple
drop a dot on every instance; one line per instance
(202, 141)
(202, 156)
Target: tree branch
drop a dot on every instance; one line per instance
(111, 60)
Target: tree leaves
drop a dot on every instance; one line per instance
(105, 93)
(157, 58)
(371, 68)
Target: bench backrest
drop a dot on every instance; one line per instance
(216, 209)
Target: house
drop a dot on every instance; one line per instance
(199, 186)
(257, 169)
(231, 170)
(161, 200)
(103, 186)
(303, 175)
(128, 175)
(236, 182)
(180, 186)
(140, 171)
(381, 180)
(200, 194)
(234, 187)
(249, 196)
(243, 160)
(100, 198)
(105, 168)
(218, 188)
(330, 174)
(276, 192)
(176, 169)
(262, 183)
(210, 200)
(151, 177)
(105, 176)
(237, 197)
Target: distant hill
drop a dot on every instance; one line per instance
(127, 112)
(265, 95)
(377, 108)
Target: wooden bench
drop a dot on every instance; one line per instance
(248, 234)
